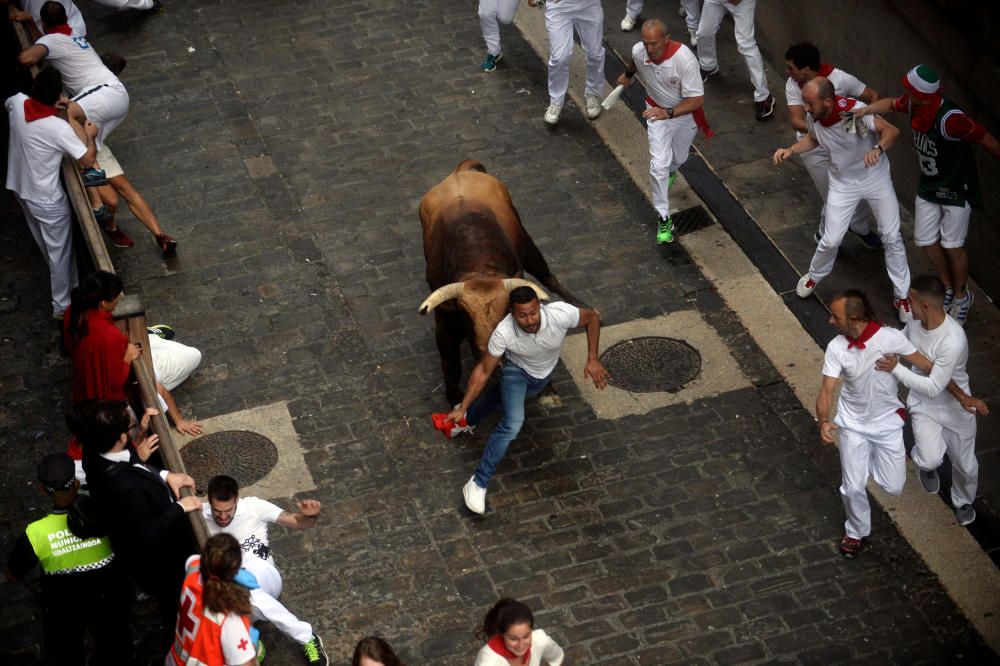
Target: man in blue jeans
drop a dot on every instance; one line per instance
(530, 337)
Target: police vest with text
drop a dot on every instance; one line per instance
(59, 551)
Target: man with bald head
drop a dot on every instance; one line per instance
(674, 97)
(859, 171)
(869, 417)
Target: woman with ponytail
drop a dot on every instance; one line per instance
(101, 354)
(373, 651)
(213, 620)
(512, 640)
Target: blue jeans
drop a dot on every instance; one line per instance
(510, 392)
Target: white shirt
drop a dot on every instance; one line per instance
(867, 394)
(671, 81)
(847, 151)
(538, 353)
(948, 348)
(542, 647)
(35, 152)
(844, 84)
(76, 60)
(249, 525)
(75, 18)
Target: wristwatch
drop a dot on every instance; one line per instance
(670, 112)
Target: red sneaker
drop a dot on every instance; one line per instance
(119, 238)
(849, 546)
(168, 245)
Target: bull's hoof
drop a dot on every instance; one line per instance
(454, 397)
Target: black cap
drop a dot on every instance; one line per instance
(57, 471)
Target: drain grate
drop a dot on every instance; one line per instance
(651, 364)
(246, 456)
(691, 219)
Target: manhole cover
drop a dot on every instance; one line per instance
(243, 455)
(651, 364)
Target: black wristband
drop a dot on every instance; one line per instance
(628, 74)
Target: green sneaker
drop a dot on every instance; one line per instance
(664, 231)
(490, 63)
(315, 652)
(261, 652)
(670, 181)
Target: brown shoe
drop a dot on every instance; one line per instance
(168, 245)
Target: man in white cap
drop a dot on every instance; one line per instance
(859, 171)
(948, 188)
(562, 18)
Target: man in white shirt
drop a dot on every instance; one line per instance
(530, 338)
(859, 171)
(562, 18)
(247, 519)
(869, 416)
(93, 86)
(31, 10)
(674, 95)
(802, 62)
(38, 140)
(941, 409)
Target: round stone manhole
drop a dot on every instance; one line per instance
(243, 455)
(651, 364)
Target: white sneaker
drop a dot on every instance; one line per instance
(805, 287)
(475, 497)
(594, 108)
(628, 23)
(552, 113)
(694, 36)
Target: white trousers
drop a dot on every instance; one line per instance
(669, 147)
(51, 225)
(692, 11)
(265, 604)
(841, 201)
(172, 361)
(743, 16)
(126, 4)
(817, 163)
(491, 14)
(561, 19)
(875, 448)
(933, 222)
(938, 429)
(105, 106)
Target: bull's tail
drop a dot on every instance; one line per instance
(470, 165)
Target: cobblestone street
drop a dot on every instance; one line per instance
(286, 146)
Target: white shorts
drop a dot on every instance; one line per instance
(108, 162)
(933, 222)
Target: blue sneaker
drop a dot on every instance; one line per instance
(949, 298)
(870, 240)
(94, 177)
(490, 63)
(960, 308)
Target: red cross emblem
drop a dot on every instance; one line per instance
(242, 644)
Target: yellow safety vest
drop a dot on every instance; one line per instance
(59, 551)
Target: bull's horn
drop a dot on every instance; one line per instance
(440, 295)
(513, 283)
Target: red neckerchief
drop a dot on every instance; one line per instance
(840, 105)
(824, 70)
(699, 116)
(63, 29)
(922, 115)
(35, 110)
(871, 329)
(497, 645)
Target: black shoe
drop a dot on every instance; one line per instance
(706, 74)
(764, 110)
(870, 240)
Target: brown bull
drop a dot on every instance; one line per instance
(477, 250)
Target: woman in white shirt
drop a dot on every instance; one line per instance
(511, 639)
